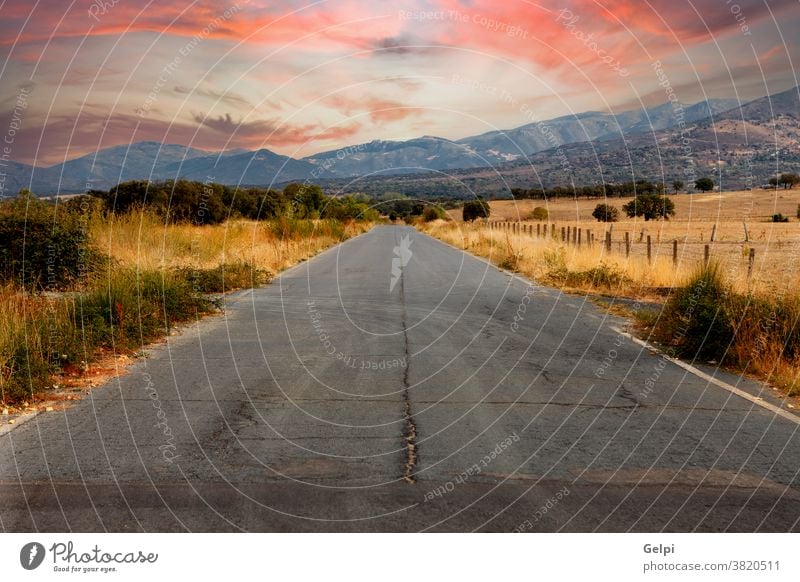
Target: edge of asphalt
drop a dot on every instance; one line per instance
(760, 398)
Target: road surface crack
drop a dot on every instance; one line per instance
(409, 427)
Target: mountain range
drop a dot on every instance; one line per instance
(616, 146)
(739, 148)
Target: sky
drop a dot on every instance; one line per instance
(305, 77)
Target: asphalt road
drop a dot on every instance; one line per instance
(339, 399)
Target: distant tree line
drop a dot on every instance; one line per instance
(185, 201)
(622, 190)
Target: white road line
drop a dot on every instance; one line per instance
(716, 381)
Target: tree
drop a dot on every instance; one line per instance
(475, 209)
(305, 200)
(539, 213)
(650, 206)
(677, 185)
(606, 213)
(704, 184)
(789, 180)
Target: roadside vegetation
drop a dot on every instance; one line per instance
(705, 320)
(108, 273)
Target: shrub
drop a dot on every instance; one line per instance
(432, 213)
(606, 213)
(539, 213)
(696, 321)
(42, 246)
(475, 209)
(128, 308)
(226, 277)
(605, 275)
(37, 337)
(779, 218)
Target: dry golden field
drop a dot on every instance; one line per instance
(143, 241)
(776, 246)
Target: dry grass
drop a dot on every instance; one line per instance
(588, 267)
(143, 241)
(776, 245)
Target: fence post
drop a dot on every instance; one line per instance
(575, 235)
(563, 233)
(675, 252)
(713, 232)
(539, 229)
(750, 260)
(706, 254)
(649, 249)
(627, 244)
(580, 230)
(568, 234)
(608, 241)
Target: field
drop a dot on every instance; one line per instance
(775, 245)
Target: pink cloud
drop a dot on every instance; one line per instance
(378, 109)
